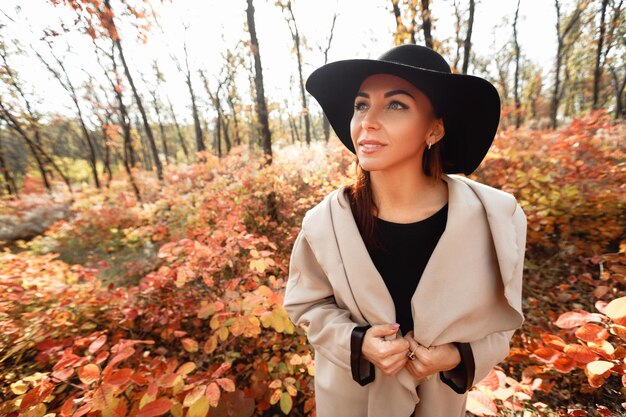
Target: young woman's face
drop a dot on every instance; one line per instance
(392, 123)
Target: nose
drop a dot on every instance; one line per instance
(370, 120)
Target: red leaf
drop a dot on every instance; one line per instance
(119, 377)
(580, 353)
(564, 364)
(604, 411)
(553, 341)
(575, 318)
(592, 333)
(547, 355)
(97, 344)
(155, 408)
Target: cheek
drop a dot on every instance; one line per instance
(354, 129)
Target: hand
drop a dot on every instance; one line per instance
(429, 361)
(387, 355)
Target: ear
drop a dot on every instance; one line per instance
(437, 131)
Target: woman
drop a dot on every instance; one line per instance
(410, 279)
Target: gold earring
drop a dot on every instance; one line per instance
(429, 145)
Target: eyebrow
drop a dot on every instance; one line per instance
(387, 94)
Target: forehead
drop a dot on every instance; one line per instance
(386, 82)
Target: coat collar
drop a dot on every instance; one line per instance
(498, 206)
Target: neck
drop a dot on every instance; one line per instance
(406, 194)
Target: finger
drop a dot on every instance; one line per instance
(382, 330)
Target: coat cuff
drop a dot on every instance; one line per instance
(363, 371)
(460, 378)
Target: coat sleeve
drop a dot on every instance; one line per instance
(494, 348)
(309, 300)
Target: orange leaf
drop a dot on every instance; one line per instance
(227, 384)
(553, 341)
(189, 345)
(97, 344)
(88, 374)
(119, 376)
(592, 333)
(480, 404)
(564, 364)
(155, 408)
(580, 353)
(547, 355)
(575, 318)
(213, 394)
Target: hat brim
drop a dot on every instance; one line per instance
(469, 105)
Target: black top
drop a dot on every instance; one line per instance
(406, 250)
(401, 260)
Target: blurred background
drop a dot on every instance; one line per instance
(157, 158)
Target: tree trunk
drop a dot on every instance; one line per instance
(295, 35)
(157, 110)
(518, 104)
(468, 38)
(9, 182)
(427, 24)
(262, 114)
(598, 68)
(231, 104)
(178, 131)
(37, 151)
(142, 111)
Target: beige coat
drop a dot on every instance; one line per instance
(470, 291)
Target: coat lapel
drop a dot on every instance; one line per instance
(368, 287)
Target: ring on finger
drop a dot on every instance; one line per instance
(411, 354)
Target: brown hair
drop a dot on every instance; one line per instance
(361, 196)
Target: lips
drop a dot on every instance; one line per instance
(370, 145)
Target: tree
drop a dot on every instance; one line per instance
(598, 67)
(295, 35)
(518, 116)
(566, 36)
(325, 50)
(468, 37)
(261, 105)
(67, 84)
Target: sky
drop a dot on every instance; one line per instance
(363, 30)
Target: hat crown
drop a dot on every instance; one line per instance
(416, 56)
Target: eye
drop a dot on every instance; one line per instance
(360, 106)
(396, 105)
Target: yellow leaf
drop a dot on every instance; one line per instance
(19, 387)
(277, 383)
(186, 368)
(200, 408)
(193, 395)
(617, 308)
(599, 367)
(276, 396)
(222, 333)
(210, 345)
(285, 403)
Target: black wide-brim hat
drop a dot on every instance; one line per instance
(469, 105)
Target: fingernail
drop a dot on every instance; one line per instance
(395, 326)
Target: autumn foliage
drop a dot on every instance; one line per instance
(192, 324)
